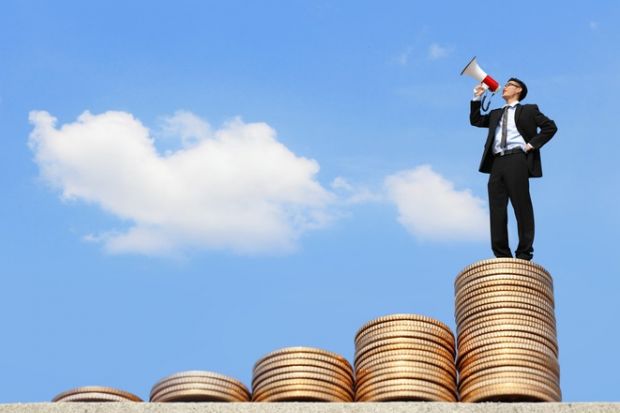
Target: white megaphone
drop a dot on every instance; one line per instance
(474, 70)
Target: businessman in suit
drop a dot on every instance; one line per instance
(511, 156)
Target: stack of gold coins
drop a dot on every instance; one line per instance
(302, 374)
(96, 394)
(199, 386)
(405, 357)
(506, 332)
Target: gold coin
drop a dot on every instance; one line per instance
(505, 314)
(543, 334)
(225, 393)
(198, 386)
(469, 295)
(304, 384)
(294, 368)
(500, 280)
(301, 370)
(310, 356)
(301, 396)
(334, 393)
(305, 350)
(98, 389)
(406, 325)
(510, 372)
(479, 345)
(510, 358)
(417, 345)
(475, 323)
(503, 307)
(506, 295)
(441, 378)
(549, 342)
(242, 390)
(550, 388)
(499, 275)
(93, 397)
(505, 349)
(483, 293)
(485, 273)
(506, 301)
(195, 395)
(402, 317)
(199, 374)
(304, 359)
(551, 391)
(515, 323)
(505, 263)
(399, 333)
(524, 296)
(482, 272)
(366, 373)
(304, 376)
(496, 343)
(406, 356)
(405, 385)
(531, 371)
(405, 395)
(509, 392)
(199, 383)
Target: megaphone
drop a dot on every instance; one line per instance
(474, 70)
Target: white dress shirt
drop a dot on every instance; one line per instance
(513, 138)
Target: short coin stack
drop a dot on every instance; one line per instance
(302, 374)
(405, 357)
(506, 332)
(199, 386)
(96, 394)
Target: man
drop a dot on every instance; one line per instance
(512, 155)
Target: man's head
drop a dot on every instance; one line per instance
(514, 89)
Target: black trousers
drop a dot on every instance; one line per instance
(509, 180)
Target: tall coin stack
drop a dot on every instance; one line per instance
(405, 357)
(506, 332)
(96, 394)
(302, 374)
(199, 386)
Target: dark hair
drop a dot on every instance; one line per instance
(523, 87)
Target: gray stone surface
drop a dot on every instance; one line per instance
(310, 408)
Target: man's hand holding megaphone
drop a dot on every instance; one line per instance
(479, 90)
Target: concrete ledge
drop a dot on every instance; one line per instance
(409, 407)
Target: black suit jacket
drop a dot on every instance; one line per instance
(535, 128)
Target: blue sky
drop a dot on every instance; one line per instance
(228, 178)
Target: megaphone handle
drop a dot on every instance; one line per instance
(484, 109)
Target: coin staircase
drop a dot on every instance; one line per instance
(505, 350)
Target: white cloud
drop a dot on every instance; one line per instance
(186, 126)
(435, 51)
(235, 188)
(403, 58)
(354, 194)
(430, 208)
